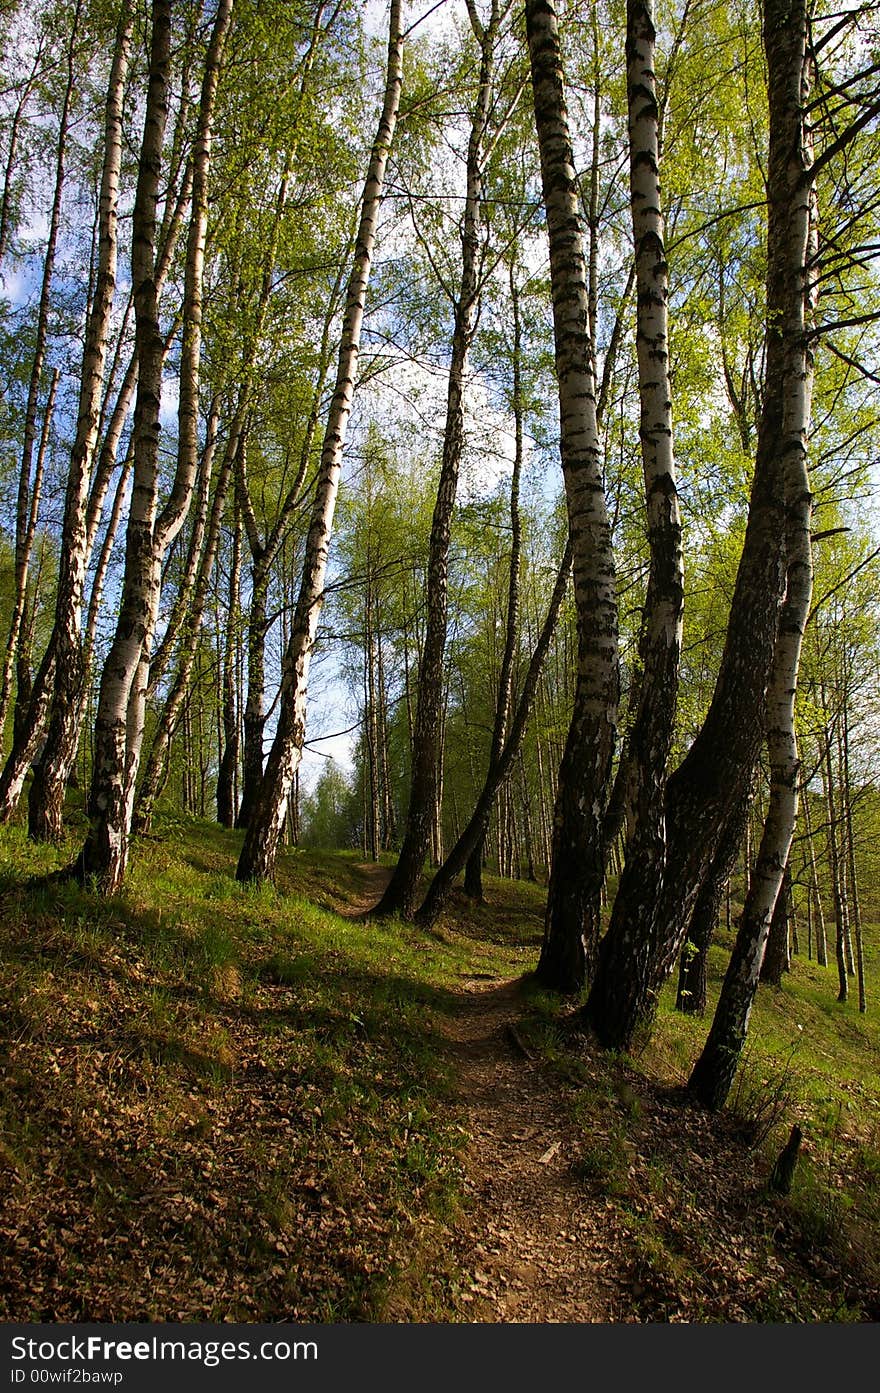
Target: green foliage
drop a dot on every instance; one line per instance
(329, 818)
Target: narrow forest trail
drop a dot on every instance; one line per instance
(537, 1245)
(599, 1194)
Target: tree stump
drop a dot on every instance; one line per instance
(783, 1171)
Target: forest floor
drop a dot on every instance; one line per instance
(226, 1103)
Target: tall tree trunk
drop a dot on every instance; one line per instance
(257, 860)
(851, 851)
(370, 720)
(156, 769)
(181, 607)
(791, 236)
(475, 831)
(834, 856)
(633, 931)
(23, 510)
(577, 871)
(389, 825)
(105, 852)
(818, 914)
(255, 705)
(473, 875)
(712, 785)
(46, 798)
(844, 860)
(229, 759)
(400, 894)
(12, 150)
(693, 969)
(265, 553)
(26, 528)
(777, 958)
(119, 722)
(33, 724)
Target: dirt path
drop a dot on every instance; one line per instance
(535, 1242)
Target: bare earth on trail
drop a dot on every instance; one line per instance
(535, 1242)
(596, 1192)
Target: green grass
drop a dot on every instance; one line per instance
(224, 1102)
(229, 1102)
(706, 1238)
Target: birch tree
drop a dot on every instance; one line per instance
(46, 797)
(577, 871)
(23, 532)
(266, 824)
(650, 741)
(120, 714)
(400, 894)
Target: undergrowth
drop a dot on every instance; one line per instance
(221, 1102)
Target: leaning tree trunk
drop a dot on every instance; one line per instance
(26, 529)
(181, 608)
(712, 786)
(229, 759)
(693, 968)
(22, 550)
(265, 553)
(266, 825)
(105, 852)
(401, 892)
(851, 850)
(33, 723)
(777, 958)
(818, 911)
(156, 769)
(790, 192)
(577, 871)
(835, 857)
(633, 928)
(121, 702)
(473, 875)
(474, 833)
(46, 798)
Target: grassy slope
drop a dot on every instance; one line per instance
(706, 1239)
(221, 1103)
(225, 1103)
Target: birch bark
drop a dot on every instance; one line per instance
(155, 771)
(711, 789)
(422, 813)
(786, 38)
(121, 702)
(46, 798)
(473, 876)
(226, 782)
(577, 870)
(633, 929)
(266, 824)
(22, 551)
(474, 834)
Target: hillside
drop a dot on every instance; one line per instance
(221, 1103)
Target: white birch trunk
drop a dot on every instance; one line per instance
(632, 929)
(422, 828)
(119, 722)
(786, 39)
(577, 872)
(47, 791)
(266, 824)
